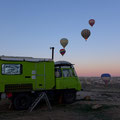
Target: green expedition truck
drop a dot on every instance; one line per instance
(22, 79)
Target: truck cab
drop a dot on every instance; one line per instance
(67, 80)
(66, 77)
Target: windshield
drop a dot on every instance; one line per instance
(68, 73)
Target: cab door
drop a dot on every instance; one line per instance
(59, 80)
(69, 79)
(65, 78)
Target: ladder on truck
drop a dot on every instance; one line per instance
(41, 96)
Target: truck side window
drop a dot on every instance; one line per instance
(58, 73)
(11, 69)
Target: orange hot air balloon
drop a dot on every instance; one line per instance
(91, 22)
(85, 34)
(62, 51)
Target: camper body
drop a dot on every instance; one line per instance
(23, 78)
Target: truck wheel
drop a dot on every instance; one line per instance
(69, 97)
(22, 101)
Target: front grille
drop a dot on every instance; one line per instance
(18, 87)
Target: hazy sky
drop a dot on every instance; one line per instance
(30, 27)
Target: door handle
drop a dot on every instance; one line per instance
(27, 76)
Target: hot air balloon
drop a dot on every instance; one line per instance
(62, 51)
(64, 42)
(91, 22)
(106, 78)
(85, 34)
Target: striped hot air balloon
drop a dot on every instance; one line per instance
(62, 51)
(106, 78)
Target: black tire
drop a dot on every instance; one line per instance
(22, 101)
(69, 96)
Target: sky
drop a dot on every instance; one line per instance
(31, 27)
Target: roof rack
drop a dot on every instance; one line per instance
(57, 63)
(29, 59)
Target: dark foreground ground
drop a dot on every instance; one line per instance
(95, 102)
(80, 110)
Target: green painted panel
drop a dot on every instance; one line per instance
(36, 73)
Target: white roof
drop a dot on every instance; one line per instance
(62, 62)
(29, 59)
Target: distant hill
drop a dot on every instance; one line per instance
(90, 83)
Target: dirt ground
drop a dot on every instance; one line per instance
(80, 110)
(91, 104)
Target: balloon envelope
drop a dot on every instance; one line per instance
(91, 22)
(106, 78)
(62, 51)
(64, 42)
(85, 33)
